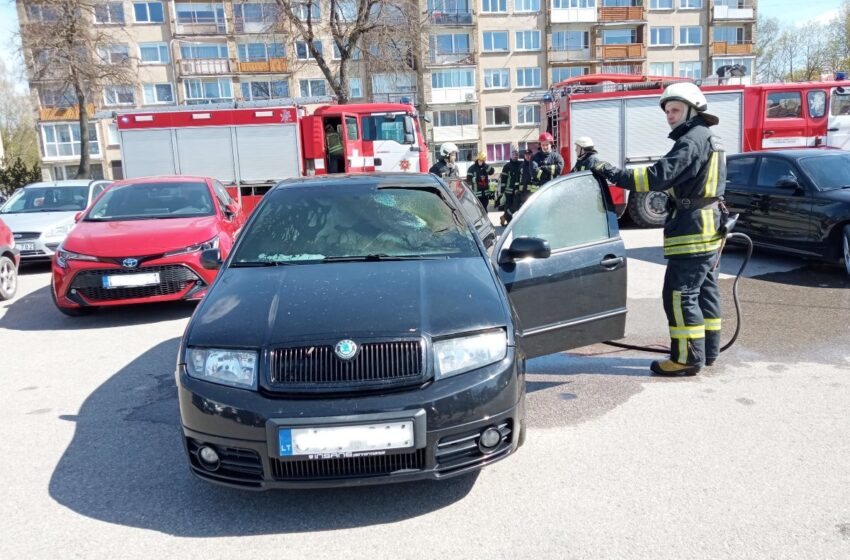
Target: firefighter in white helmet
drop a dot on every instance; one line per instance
(694, 174)
(585, 154)
(446, 167)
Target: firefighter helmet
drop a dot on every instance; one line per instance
(584, 142)
(447, 148)
(481, 156)
(689, 94)
(545, 137)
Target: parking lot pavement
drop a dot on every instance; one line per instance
(748, 460)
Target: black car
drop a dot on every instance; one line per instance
(793, 201)
(372, 328)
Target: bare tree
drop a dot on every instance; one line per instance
(768, 65)
(66, 52)
(17, 125)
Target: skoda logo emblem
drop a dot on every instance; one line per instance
(346, 349)
(130, 263)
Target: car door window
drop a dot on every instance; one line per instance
(739, 171)
(221, 194)
(784, 105)
(774, 169)
(97, 189)
(580, 206)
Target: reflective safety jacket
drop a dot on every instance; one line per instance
(694, 175)
(334, 143)
(479, 177)
(443, 169)
(528, 172)
(587, 162)
(509, 178)
(549, 166)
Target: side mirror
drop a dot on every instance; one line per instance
(524, 247)
(77, 216)
(211, 259)
(231, 210)
(787, 182)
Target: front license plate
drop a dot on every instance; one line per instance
(124, 280)
(335, 440)
(25, 246)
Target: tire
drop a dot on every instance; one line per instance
(845, 248)
(648, 209)
(8, 278)
(71, 311)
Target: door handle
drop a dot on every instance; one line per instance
(768, 133)
(610, 261)
(832, 129)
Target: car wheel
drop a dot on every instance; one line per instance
(648, 209)
(845, 242)
(71, 311)
(8, 278)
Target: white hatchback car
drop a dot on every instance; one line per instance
(40, 215)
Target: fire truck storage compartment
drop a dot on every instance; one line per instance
(206, 151)
(267, 153)
(603, 121)
(147, 152)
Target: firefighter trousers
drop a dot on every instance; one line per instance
(515, 201)
(692, 304)
(483, 198)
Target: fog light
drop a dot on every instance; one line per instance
(489, 439)
(209, 458)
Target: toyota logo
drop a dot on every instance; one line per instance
(130, 263)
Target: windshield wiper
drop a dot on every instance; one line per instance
(382, 257)
(252, 264)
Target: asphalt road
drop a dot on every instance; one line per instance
(749, 460)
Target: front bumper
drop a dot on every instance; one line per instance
(37, 249)
(449, 416)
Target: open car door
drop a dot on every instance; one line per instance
(570, 291)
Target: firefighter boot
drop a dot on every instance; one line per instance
(710, 361)
(670, 368)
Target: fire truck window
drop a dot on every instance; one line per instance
(840, 104)
(817, 103)
(384, 127)
(351, 132)
(774, 169)
(784, 105)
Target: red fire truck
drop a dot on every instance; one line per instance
(251, 147)
(621, 114)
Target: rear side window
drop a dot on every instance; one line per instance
(740, 170)
(817, 103)
(774, 169)
(840, 104)
(784, 105)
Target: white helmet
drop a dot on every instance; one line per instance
(584, 142)
(689, 94)
(447, 148)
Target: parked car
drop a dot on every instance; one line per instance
(141, 242)
(793, 201)
(372, 328)
(42, 214)
(9, 261)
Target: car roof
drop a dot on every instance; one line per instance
(793, 154)
(65, 183)
(362, 180)
(164, 179)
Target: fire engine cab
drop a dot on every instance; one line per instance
(622, 115)
(250, 147)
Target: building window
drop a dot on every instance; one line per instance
(109, 12)
(259, 52)
(498, 152)
(57, 96)
(626, 36)
(527, 41)
(690, 70)
(528, 78)
(621, 3)
(661, 36)
(60, 140)
(153, 53)
(303, 53)
(355, 88)
(115, 54)
(691, 35)
(498, 116)
(264, 89)
(203, 51)
(112, 137)
(495, 41)
(494, 6)
(158, 94)
(356, 54)
(660, 4)
(567, 4)
(41, 13)
(191, 13)
(460, 78)
(254, 13)
(621, 69)
(309, 10)
(561, 74)
(453, 117)
(497, 79)
(465, 152)
(457, 43)
(208, 90)
(527, 6)
(570, 40)
(661, 68)
(523, 146)
(731, 35)
(528, 114)
(119, 95)
(312, 88)
(148, 12)
(747, 63)
(690, 4)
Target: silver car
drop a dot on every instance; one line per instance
(40, 215)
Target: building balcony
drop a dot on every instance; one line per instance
(448, 59)
(724, 48)
(458, 17)
(205, 66)
(574, 15)
(453, 95)
(461, 133)
(744, 11)
(62, 113)
(396, 97)
(569, 55)
(272, 65)
(622, 52)
(622, 14)
(200, 28)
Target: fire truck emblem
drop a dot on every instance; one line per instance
(285, 116)
(405, 165)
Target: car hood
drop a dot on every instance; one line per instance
(254, 307)
(139, 237)
(37, 221)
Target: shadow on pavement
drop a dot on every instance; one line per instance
(126, 465)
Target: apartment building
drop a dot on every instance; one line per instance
(477, 59)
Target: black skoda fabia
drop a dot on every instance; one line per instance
(373, 328)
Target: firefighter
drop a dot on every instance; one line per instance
(478, 177)
(549, 162)
(336, 157)
(508, 184)
(446, 167)
(586, 158)
(526, 184)
(693, 173)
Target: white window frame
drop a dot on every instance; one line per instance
(117, 91)
(655, 31)
(454, 41)
(584, 43)
(690, 74)
(503, 147)
(520, 38)
(654, 5)
(454, 72)
(504, 78)
(665, 73)
(94, 143)
(300, 10)
(490, 116)
(526, 6)
(152, 88)
(108, 6)
(202, 82)
(501, 6)
(148, 12)
(538, 74)
(221, 51)
(522, 114)
(160, 49)
(107, 53)
(310, 83)
(684, 32)
(492, 35)
(437, 117)
(582, 71)
(309, 55)
(244, 47)
(268, 81)
(355, 92)
(690, 4)
(633, 37)
(112, 137)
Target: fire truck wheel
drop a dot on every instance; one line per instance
(648, 209)
(845, 243)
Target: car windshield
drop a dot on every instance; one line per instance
(829, 171)
(159, 200)
(47, 199)
(309, 224)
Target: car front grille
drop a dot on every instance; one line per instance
(348, 467)
(376, 364)
(173, 279)
(26, 235)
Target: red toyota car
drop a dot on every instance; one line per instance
(9, 261)
(141, 242)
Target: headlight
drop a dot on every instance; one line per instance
(59, 230)
(211, 244)
(236, 368)
(63, 256)
(462, 354)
